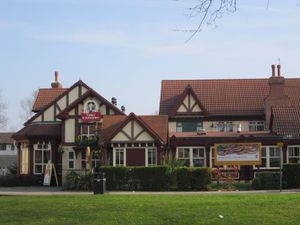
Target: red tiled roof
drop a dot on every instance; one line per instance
(6, 138)
(45, 96)
(225, 97)
(286, 121)
(157, 125)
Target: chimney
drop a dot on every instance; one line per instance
(279, 70)
(276, 96)
(273, 70)
(55, 83)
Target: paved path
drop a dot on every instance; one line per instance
(49, 191)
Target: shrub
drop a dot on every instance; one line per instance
(193, 178)
(72, 179)
(116, 177)
(266, 180)
(85, 182)
(12, 180)
(150, 178)
(291, 175)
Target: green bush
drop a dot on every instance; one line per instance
(266, 180)
(291, 175)
(193, 178)
(74, 181)
(12, 180)
(149, 178)
(116, 177)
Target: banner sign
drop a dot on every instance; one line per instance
(90, 116)
(238, 154)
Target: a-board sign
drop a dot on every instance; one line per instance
(238, 154)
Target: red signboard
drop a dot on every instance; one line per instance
(89, 117)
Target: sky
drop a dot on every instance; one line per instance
(124, 49)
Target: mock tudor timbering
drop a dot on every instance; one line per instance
(193, 116)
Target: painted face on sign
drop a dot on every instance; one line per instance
(91, 107)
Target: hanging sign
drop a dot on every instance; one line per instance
(90, 116)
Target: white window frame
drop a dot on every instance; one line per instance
(255, 124)
(115, 151)
(43, 164)
(71, 160)
(146, 156)
(287, 153)
(191, 154)
(268, 158)
(88, 135)
(228, 126)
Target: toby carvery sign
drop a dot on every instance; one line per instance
(90, 116)
(91, 113)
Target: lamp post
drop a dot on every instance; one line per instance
(280, 145)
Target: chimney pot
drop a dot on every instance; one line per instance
(279, 70)
(56, 76)
(273, 70)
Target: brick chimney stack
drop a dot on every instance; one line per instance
(276, 96)
(55, 83)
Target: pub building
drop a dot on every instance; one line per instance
(194, 117)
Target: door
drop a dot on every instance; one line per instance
(135, 157)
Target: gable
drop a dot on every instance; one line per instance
(189, 105)
(132, 132)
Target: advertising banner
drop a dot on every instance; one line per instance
(238, 154)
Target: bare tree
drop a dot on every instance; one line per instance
(26, 106)
(3, 117)
(209, 11)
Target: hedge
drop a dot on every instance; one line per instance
(192, 178)
(155, 178)
(266, 180)
(12, 180)
(291, 175)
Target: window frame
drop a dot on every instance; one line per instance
(268, 167)
(150, 150)
(190, 156)
(287, 153)
(180, 126)
(255, 124)
(36, 148)
(71, 160)
(118, 151)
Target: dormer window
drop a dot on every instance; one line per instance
(225, 126)
(256, 126)
(190, 126)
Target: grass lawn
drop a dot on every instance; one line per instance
(111, 209)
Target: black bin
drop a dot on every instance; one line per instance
(99, 183)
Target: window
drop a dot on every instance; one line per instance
(256, 126)
(151, 157)
(95, 159)
(225, 126)
(192, 156)
(191, 126)
(119, 157)
(274, 157)
(270, 157)
(198, 157)
(293, 154)
(87, 131)
(2, 147)
(42, 154)
(184, 156)
(71, 160)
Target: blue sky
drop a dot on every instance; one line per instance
(125, 48)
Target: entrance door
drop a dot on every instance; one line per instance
(135, 157)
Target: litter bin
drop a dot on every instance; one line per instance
(99, 183)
